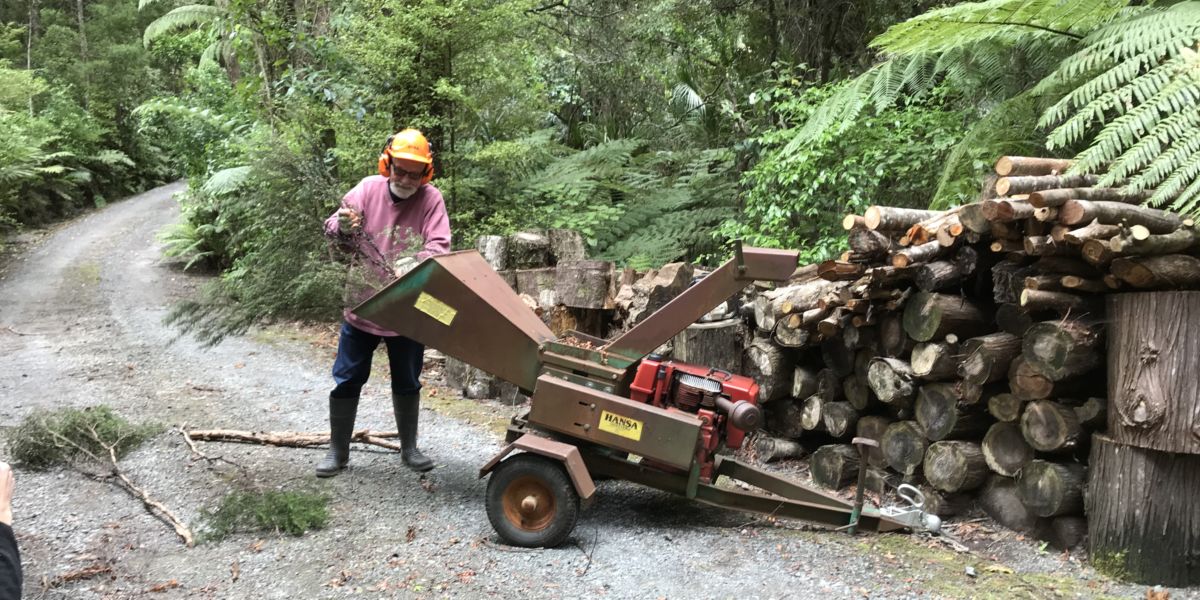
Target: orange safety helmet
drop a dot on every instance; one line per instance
(409, 144)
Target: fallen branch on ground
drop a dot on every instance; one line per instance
(293, 439)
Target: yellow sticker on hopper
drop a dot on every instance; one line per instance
(435, 308)
(622, 426)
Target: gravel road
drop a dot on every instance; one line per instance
(81, 310)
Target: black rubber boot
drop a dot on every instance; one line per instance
(341, 427)
(408, 410)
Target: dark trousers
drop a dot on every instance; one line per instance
(352, 367)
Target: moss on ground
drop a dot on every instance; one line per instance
(941, 572)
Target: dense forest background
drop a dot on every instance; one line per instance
(660, 129)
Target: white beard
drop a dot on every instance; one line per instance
(400, 191)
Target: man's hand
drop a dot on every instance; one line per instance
(6, 492)
(403, 265)
(349, 220)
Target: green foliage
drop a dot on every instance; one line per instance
(45, 439)
(278, 511)
(1136, 81)
(267, 233)
(797, 199)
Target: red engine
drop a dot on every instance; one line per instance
(726, 403)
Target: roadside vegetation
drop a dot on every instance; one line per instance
(662, 131)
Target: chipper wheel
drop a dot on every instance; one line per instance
(531, 501)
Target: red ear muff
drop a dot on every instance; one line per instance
(385, 161)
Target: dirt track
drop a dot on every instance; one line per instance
(80, 325)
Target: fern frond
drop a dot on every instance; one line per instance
(227, 180)
(112, 158)
(970, 23)
(190, 15)
(1183, 176)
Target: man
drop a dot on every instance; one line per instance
(390, 222)
(10, 558)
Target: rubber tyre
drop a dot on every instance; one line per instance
(530, 475)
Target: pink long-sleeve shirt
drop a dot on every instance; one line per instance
(416, 226)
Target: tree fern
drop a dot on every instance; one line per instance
(1135, 98)
(947, 42)
(190, 15)
(227, 180)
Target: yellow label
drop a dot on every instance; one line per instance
(622, 426)
(440, 311)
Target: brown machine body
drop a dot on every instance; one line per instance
(580, 386)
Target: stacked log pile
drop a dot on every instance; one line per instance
(970, 342)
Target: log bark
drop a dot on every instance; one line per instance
(791, 333)
(930, 315)
(1005, 407)
(769, 448)
(1154, 351)
(857, 392)
(494, 249)
(782, 418)
(1076, 284)
(1063, 303)
(1000, 500)
(1007, 210)
(955, 466)
(1013, 319)
(893, 341)
(1167, 271)
(1051, 427)
(890, 218)
(829, 385)
(938, 275)
(935, 361)
(903, 446)
(810, 414)
(839, 358)
(1066, 533)
(835, 466)
(943, 416)
(804, 381)
(584, 284)
(718, 344)
(1059, 197)
(839, 419)
(767, 364)
(986, 358)
(835, 270)
(1141, 510)
(893, 381)
(1027, 184)
(1008, 281)
(972, 217)
(1062, 349)
(1005, 449)
(869, 244)
(1064, 265)
(773, 305)
(1044, 245)
(917, 254)
(1052, 489)
(1092, 231)
(1026, 165)
(1133, 244)
(1076, 212)
(946, 504)
(873, 427)
(528, 250)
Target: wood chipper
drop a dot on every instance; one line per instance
(602, 408)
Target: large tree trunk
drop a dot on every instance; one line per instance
(1005, 449)
(955, 466)
(1052, 489)
(835, 466)
(1141, 509)
(1153, 388)
(903, 446)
